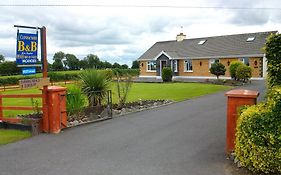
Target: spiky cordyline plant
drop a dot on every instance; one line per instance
(94, 85)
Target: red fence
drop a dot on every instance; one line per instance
(16, 107)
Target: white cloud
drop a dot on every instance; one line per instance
(122, 34)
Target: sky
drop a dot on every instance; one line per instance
(122, 30)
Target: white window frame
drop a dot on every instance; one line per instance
(175, 65)
(188, 61)
(212, 61)
(243, 61)
(148, 64)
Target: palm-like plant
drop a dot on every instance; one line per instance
(94, 85)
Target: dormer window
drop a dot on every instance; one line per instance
(250, 39)
(201, 42)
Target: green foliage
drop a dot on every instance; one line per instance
(9, 68)
(243, 73)
(258, 136)
(71, 62)
(125, 72)
(62, 76)
(166, 74)
(94, 85)
(273, 55)
(233, 67)
(75, 101)
(123, 88)
(217, 69)
(135, 64)
(2, 58)
(57, 65)
(9, 135)
(13, 80)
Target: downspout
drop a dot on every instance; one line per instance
(264, 66)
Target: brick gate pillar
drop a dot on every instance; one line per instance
(235, 99)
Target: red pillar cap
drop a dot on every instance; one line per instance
(242, 93)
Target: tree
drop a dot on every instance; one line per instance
(2, 58)
(124, 66)
(243, 73)
(59, 56)
(9, 68)
(57, 65)
(233, 67)
(83, 64)
(116, 65)
(93, 61)
(107, 65)
(217, 69)
(135, 64)
(71, 62)
(273, 55)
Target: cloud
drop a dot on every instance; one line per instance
(123, 34)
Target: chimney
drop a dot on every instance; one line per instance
(180, 37)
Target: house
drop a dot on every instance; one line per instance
(192, 58)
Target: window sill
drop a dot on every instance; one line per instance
(150, 70)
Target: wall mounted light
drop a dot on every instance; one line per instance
(141, 64)
(256, 63)
(228, 63)
(200, 63)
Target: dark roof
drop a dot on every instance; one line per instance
(214, 47)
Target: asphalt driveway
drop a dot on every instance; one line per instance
(178, 139)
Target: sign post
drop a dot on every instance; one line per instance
(27, 47)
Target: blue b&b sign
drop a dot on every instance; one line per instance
(27, 48)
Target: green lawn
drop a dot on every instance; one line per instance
(143, 91)
(8, 136)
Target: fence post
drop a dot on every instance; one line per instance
(1, 110)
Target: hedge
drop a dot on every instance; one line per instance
(167, 74)
(258, 135)
(64, 76)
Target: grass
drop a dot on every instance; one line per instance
(9, 136)
(139, 91)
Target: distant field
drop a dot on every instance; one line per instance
(39, 75)
(139, 91)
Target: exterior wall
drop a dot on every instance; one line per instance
(203, 69)
(257, 69)
(143, 69)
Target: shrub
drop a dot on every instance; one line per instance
(167, 74)
(243, 73)
(75, 101)
(123, 89)
(94, 85)
(258, 136)
(233, 67)
(273, 55)
(217, 69)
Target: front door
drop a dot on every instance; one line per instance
(163, 64)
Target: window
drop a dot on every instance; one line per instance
(188, 66)
(151, 66)
(202, 42)
(212, 61)
(175, 65)
(245, 61)
(250, 39)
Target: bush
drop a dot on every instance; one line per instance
(258, 136)
(243, 73)
(233, 67)
(273, 55)
(75, 101)
(94, 85)
(167, 74)
(217, 69)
